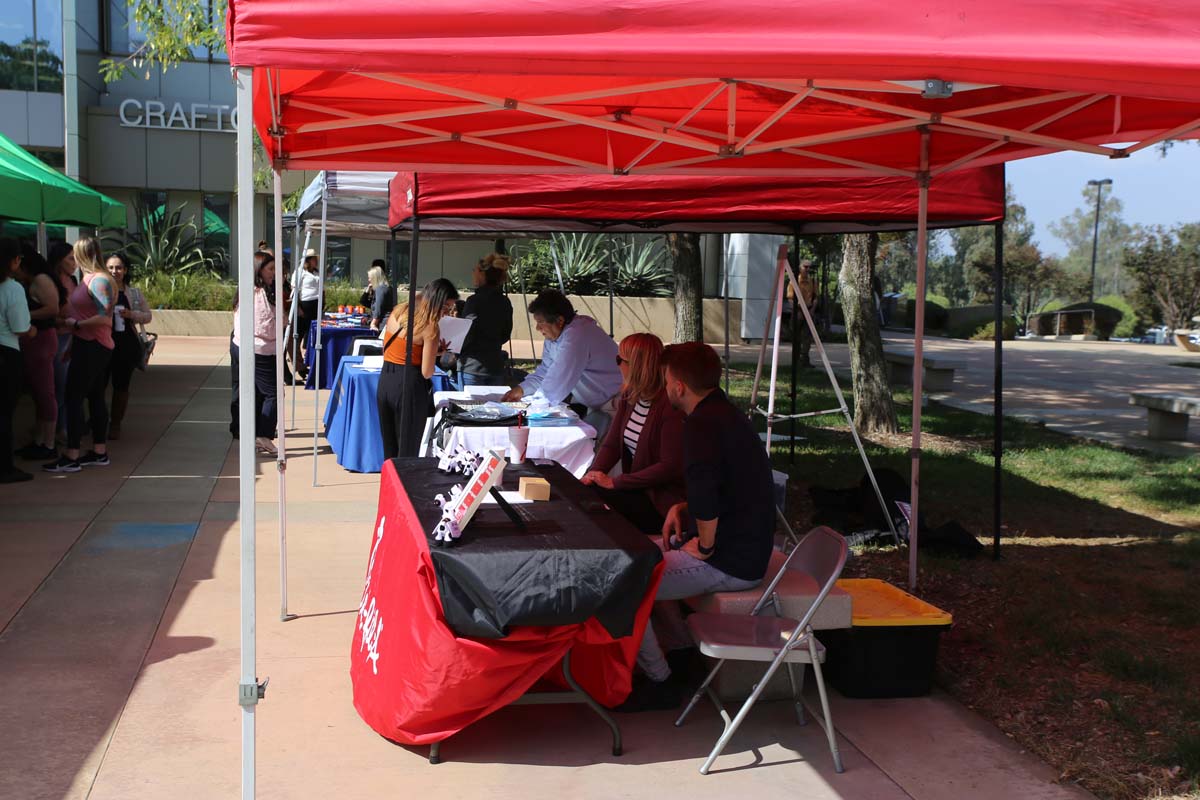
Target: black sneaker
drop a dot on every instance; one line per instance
(63, 464)
(36, 452)
(15, 475)
(94, 459)
(648, 695)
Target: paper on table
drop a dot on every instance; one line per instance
(513, 498)
(372, 362)
(454, 331)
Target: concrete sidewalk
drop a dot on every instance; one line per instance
(119, 653)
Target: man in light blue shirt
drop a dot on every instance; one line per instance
(579, 359)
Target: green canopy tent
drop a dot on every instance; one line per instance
(32, 191)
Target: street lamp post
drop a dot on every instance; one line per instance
(1100, 184)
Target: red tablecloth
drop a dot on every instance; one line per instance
(416, 682)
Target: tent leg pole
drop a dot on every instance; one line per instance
(725, 294)
(998, 396)
(762, 347)
(413, 252)
(612, 329)
(778, 315)
(299, 266)
(247, 467)
(795, 356)
(918, 356)
(280, 406)
(317, 338)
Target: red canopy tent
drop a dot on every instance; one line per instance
(813, 88)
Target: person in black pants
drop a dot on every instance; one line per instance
(263, 348)
(405, 394)
(483, 361)
(131, 310)
(89, 319)
(14, 323)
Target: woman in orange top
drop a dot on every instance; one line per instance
(405, 395)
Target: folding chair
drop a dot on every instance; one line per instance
(366, 347)
(739, 637)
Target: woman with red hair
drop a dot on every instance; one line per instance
(645, 438)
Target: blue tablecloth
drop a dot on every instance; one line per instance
(336, 344)
(352, 418)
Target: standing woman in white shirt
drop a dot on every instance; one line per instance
(265, 399)
(310, 293)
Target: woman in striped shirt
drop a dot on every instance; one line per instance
(645, 439)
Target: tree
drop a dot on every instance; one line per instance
(168, 30)
(689, 286)
(873, 410)
(1114, 235)
(1165, 266)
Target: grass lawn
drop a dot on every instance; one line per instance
(1083, 641)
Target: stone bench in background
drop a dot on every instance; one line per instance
(1168, 413)
(939, 371)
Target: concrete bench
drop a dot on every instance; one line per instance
(1168, 413)
(796, 592)
(939, 370)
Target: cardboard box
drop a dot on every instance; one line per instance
(534, 488)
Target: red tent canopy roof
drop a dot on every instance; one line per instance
(526, 203)
(813, 88)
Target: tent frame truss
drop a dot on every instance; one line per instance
(710, 145)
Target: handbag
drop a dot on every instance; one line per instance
(146, 342)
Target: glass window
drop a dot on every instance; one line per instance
(48, 21)
(337, 259)
(152, 204)
(17, 46)
(55, 158)
(398, 274)
(124, 34)
(217, 210)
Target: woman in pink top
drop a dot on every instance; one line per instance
(265, 401)
(89, 320)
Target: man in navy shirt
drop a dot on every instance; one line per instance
(727, 525)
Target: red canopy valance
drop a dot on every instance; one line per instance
(527, 203)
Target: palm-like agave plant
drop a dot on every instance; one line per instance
(583, 260)
(642, 269)
(167, 244)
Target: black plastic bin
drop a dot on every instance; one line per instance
(891, 648)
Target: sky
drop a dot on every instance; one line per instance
(1155, 190)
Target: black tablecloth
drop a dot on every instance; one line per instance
(572, 562)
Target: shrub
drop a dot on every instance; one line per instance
(1129, 324)
(341, 293)
(910, 291)
(641, 266)
(987, 333)
(936, 315)
(191, 292)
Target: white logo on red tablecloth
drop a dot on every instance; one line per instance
(370, 620)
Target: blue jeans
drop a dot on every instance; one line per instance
(683, 576)
(466, 379)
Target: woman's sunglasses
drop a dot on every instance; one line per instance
(621, 361)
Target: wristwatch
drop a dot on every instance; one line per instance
(706, 551)
(76, 327)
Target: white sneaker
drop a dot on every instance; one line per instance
(265, 445)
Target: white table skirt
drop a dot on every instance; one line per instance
(573, 446)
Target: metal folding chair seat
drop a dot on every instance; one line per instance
(781, 641)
